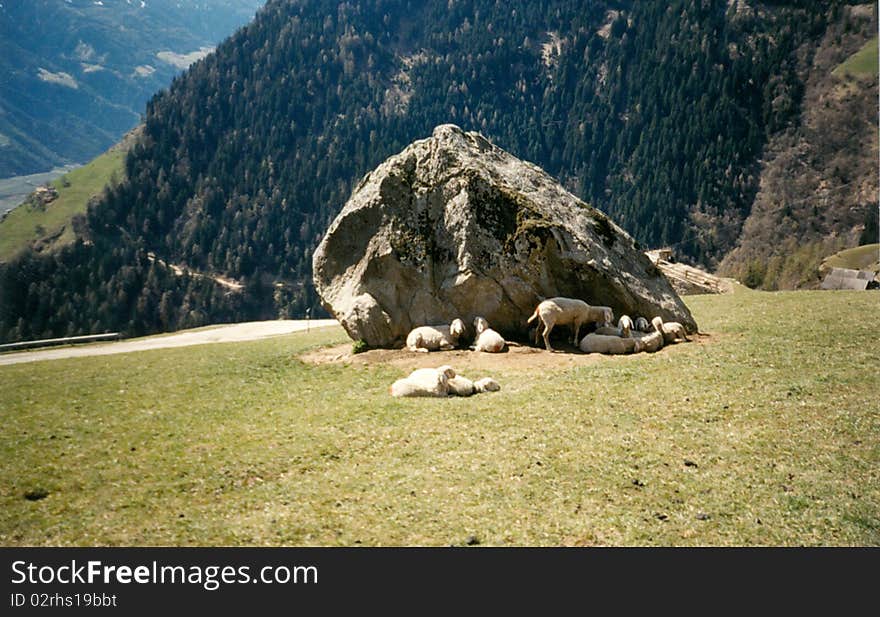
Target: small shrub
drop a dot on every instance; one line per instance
(754, 275)
(359, 346)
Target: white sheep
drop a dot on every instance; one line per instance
(601, 343)
(461, 386)
(433, 338)
(567, 311)
(486, 384)
(625, 326)
(651, 342)
(424, 382)
(642, 325)
(671, 330)
(488, 340)
(440, 382)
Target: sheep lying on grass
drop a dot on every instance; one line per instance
(488, 340)
(486, 384)
(567, 311)
(462, 386)
(440, 382)
(424, 382)
(434, 338)
(602, 343)
(672, 331)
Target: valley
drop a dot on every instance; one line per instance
(14, 190)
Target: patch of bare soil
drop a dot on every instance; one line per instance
(516, 357)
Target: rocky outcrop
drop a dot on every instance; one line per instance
(454, 226)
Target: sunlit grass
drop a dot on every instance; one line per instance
(862, 63)
(27, 223)
(769, 434)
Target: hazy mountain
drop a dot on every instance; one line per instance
(660, 114)
(76, 74)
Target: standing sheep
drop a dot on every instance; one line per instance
(567, 311)
(433, 338)
(488, 340)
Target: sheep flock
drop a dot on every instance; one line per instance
(630, 335)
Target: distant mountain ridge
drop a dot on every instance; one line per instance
(76, 74)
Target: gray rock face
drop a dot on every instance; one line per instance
(454, 226)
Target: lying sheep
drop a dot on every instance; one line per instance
(567, 311)
(607, 331)
(671, 330)
(486, 384)
(642, 325)
(623, 329)
(651, 342)
(433, 338)
(601, 343)
(424, 382)
(440, 382)
(462, 386)
(488, 340)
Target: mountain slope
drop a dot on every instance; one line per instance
(657, 113)
(819, 181)
(49, 223)
(77, 73)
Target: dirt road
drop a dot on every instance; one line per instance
(221, 334)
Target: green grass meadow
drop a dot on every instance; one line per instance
(26, 224)
(767, 432)
(865, 257)
(862, 63)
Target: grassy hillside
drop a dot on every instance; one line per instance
(28, 223)
(863, 63)
(865, 257)
(764, 433)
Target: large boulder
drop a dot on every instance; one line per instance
(454, 226)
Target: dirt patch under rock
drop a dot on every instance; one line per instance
(517, 357)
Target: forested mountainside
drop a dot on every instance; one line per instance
(657, 113)
(75, 74)
(819, 178)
